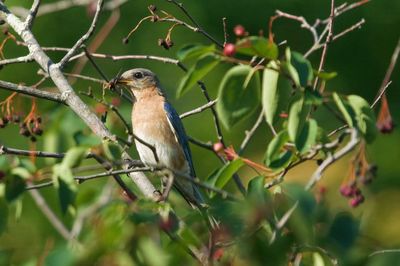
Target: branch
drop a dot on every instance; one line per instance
(21, 59)
(84, 38)
(67, 93)
(53, 219)
(389, 71)
(354, 140)
(55, 97)
(327, 42)
(199, 109)
(249, 133)
(32, 14)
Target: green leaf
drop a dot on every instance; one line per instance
(66, 194)
(325, 75)
(202, 67)
(74, 157)
(256, 190)
(15, 186)
(21, 172)
(112, 151)
(344, 109)
(307, 137)
(364, 117)
(193, 51)
(270, 96)
(3, 215)
(312, 97)
(289, 69)
(238, 95)
(303, 68)
(82, 139)
(260, 46)
(226, 173)
(276, 157)
(297, 117)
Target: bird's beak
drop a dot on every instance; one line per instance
(122, 81)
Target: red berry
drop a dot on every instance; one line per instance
(239, 30)
(229, 49)
(346, 191)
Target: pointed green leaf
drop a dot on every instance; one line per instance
(297, 117)
(325, 75)
(112, 151)
(193, 51)
(303, 68)
(256, 190)
(15, 186)
(312, 97)
(226, 173)
(270, 96)
(343, 108)
(259, 46)
(202, 67)
(74, 157)
(364, 117)
(307, 137)
(238, 95)
(289, 69)
(276, 156)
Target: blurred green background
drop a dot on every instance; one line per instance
(360, 58)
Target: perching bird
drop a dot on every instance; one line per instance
(156, 122)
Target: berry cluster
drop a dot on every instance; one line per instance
(352, 190)
(31, 129)
(230, 48)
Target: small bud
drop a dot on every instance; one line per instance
(229, 49)
(357, 200)
(125, 40)
(218, 147)
(169, 43)
(39, 119)
(218, 253)
(116, 101)
(33, 139)
(239, 30)
(5, 119)
(152, 8)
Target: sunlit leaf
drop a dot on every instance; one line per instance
(112, 151)
(307, 137)
(238, 95)
(364, 117)
(325, 75)
(297, 117)
(260, 46)
(276, 156)
(226, 172)
(270, 96)
(193, 51)
(256, 190)
(74, 157)
(343, 108)
(202, 67)
(312, 97)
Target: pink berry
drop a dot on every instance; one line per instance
(229, 49)
(239, 30)
(346, 191)
(218, 147)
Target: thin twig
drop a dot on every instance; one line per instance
(84, 38)
(52, 96)
(249, 134)
(199, 109)
(389, 71)
(327, 42)
(331, 158)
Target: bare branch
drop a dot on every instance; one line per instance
(354, 140)
(84, 38)
(21, 59)
(199, 109)
(249, 133)
(32, 14)
(55, 97)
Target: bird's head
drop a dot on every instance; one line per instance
(138, 79)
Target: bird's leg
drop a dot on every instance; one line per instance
(167, 183)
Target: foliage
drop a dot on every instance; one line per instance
(252, 215)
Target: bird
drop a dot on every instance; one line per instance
(155, 123)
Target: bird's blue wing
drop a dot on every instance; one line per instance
(180, 133)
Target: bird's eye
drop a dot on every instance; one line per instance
(138, 75)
